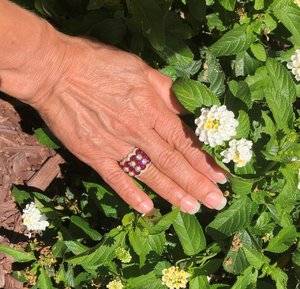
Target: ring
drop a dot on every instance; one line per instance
(135, 162)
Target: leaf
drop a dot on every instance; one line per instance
(101, 254)
(21, 196)
(279, 276)
(190, 234)
(164, 223)
(259, 51)
(44, 281)
(243, 128)
(289, 14)
(46, 138)
(18, 255)
(234, 41)
(213, 74)
(148, 281)
(85, 227)
(151, 19)
(235, 218)
(255, 258)
(280, 93)
(249, 277)
(283, 240)
(76, 247)
(193, 94)
(241, 186)
(235, 261)
(228, 4)
(199, 282)
(259, 4)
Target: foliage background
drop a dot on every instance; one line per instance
(217, 52)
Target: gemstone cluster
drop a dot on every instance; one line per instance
(135, 162)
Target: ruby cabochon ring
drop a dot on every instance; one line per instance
(135, 163)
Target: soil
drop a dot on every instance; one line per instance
(22, 161)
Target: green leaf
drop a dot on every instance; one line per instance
(199, 282)
(21, 196)
(280, 93)
(46, 138)
(235, 261)
(18, 255)
(213, 74)
(85, 227)
(101, 254)
(241, 186)
(283, 240)
(255, 258)
(151, 19)
(193, 94)
(243, 128)
(228, 4)
(44, 281)
(234, 41)
(76, 247)
(164, 223)
(235, 218)
(148, 281)
(190, 234)
(259, 4)
(279, 276)
(259, 51)
(289, 14)
(249, 277)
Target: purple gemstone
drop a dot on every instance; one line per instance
(139, 157)
(138, 169)
(144, 161)
(132, 158)
(132, 163)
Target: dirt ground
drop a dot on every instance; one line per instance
(22, 161)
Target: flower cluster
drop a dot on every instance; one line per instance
(175, 278)
(294, 64)
(115, 284)
(216, 125)
(33, 219)
(239, 151)
(123, 255)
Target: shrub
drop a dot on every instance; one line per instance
(218, 52)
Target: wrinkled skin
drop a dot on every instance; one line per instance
(102, 102)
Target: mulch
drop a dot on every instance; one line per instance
(22, 161)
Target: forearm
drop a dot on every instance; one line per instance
(31, 50)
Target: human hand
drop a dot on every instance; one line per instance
(103, 103)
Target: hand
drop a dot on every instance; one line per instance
(105, 103)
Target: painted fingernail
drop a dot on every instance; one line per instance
(145, 207)
(215, 201)
(189, 205)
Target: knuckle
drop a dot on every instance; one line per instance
(168, 158)
(113, 177)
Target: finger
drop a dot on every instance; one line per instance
(163, 87)
(124, 185)
(180, 136)
(172, 163)
(169, 190)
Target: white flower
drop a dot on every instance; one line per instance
(294, 64)
(297, 2)
(115, 284)
(216, 125)
(239, 151)
(175, 278)
(33, 219)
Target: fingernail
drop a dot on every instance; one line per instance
(215, 201)
(189, 205)
(145, 207)
(223, 181)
